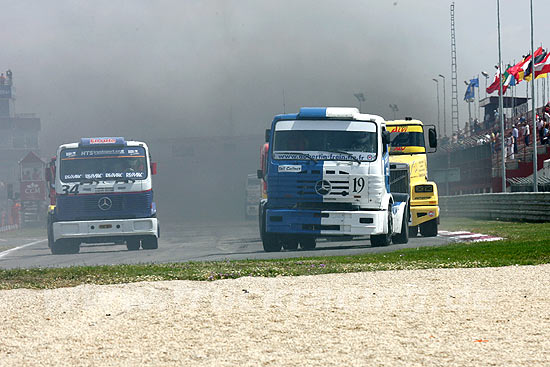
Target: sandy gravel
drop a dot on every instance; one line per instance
(453, 317)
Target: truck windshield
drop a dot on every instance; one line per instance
(406, 139)
(98, 163)
(325, 140)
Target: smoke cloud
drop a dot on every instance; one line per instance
(169, 71)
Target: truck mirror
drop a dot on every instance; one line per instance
(267, 135)
(385, 137)
(432, 137)
(260, 174)
(153, 168)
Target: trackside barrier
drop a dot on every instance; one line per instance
(515, 206)
(11, 227)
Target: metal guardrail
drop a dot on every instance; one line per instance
(9, 227)
(515, 206)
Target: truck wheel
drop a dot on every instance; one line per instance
(290, 243)
(150, 243)
(383, 239)
(50, 234)
(429, 228)
(308, 243)
(270, 241)
(413, 231)
(132, 244)
(403, 237)
(65, 246)
(74, 247)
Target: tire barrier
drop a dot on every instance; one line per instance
(515, 206)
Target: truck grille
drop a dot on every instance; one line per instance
(327, 206)
(399, 178)
(339, 188)
(85, 207)
(298, 190)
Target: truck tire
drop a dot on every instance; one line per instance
(132, 244)
(57, 247)
(290, 243)
(65, 246)
(308, 243)
(429, 228)
(403, 237)
(271, 242)
(150, 243)
(383, 239)
(50, 233)
(413, 231)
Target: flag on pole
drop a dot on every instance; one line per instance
(513, 82)
(470, 93)
(525, 64)
(508, 80)
(516, 69)
(471, 90)
(539, 58)
(495, 84)
(542, 68)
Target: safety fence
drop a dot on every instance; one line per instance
(515, 206)
(10, 227)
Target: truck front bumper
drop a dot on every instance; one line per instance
(422, 214)
(329, 223)
(95, 229)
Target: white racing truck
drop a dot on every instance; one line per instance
(101, 192)
(328, 175)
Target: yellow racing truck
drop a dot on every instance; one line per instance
(409, 173)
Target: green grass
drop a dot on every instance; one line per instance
(518, 231)
(525, 244)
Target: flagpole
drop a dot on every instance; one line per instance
(478, 106)
(543, 89)
(533, 107)
(500, 102)
(513, 104)
(513, 114)
(537, 84)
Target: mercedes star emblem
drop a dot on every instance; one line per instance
(105, 203)
(323, 187)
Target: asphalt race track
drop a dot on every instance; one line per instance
(188, 242)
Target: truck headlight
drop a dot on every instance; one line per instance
(424, 188)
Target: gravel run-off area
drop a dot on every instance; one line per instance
(448, 317)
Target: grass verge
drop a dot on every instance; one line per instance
(525, 244)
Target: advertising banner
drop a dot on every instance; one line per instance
(33, 190)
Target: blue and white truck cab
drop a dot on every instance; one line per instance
(103, 193)
(328, 175)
